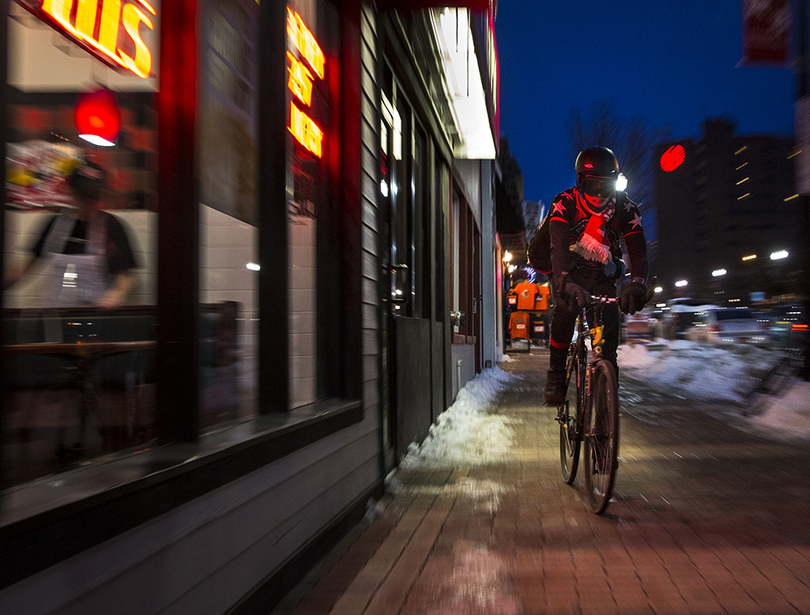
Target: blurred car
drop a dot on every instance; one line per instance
(639, 325)
(788, 325)
(678, 316)
(728, 325)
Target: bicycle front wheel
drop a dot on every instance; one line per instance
(602, 436)
(570, 427)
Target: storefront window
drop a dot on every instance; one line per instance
(229, 261)
(80, 258)
(313, 150)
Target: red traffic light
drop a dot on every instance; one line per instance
(98, 117)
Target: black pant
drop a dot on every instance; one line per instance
(564, 320)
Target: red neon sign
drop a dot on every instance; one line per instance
(80, 20)
(302, 127)
(673, 158)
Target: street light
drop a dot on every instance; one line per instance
(779, 255)
(750, 257)
(718, 272)
(681, 283)
(507, 256)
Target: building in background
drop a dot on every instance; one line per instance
(727, 217)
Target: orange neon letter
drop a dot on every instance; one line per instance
(108, 31)
(111, 20)
(300, 82)
(305, 42)
(305, 130)
(60, 11)
(86, 18)
(142, 64)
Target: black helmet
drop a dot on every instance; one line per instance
(597, 171)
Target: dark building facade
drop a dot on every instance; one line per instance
(310, 201)
(726, 203)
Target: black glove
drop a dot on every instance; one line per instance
(570, 293)
(633, 298)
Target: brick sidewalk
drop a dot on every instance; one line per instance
(707, 520)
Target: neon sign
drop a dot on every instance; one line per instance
(302, 127)
(80, 20)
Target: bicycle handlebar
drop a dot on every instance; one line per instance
(603, 299)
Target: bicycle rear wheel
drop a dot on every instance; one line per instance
(602, 436)
(570, 427)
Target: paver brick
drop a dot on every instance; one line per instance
(707, 520)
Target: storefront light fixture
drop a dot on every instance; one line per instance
(507, 256)
(98, 117)
(463, 83)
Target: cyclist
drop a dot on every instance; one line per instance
(588, 224)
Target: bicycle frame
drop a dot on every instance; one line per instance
(596, 335)
(601, 444)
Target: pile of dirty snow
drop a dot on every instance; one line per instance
(725, 374)
(467, 433)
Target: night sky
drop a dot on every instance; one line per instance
(672, 64)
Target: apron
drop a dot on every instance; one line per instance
(73, 280)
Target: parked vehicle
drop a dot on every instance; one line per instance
(639, 325)
(787, 325)
(678, 316)
(728, 325)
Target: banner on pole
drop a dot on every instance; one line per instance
(765, 35)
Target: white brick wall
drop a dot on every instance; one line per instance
(227, 245)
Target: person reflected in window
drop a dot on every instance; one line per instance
(83, 253)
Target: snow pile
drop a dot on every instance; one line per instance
(787, 415)
(698, 371)
(466, 433)
(722, 374)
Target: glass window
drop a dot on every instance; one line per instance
(80, 250)
(405, 191)
(313, 151)
(228, 149)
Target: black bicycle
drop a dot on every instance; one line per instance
(593, 415)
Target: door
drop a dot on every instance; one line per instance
(406, 279)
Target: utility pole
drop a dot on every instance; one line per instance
(802, 119)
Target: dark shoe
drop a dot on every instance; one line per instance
(555, 389)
